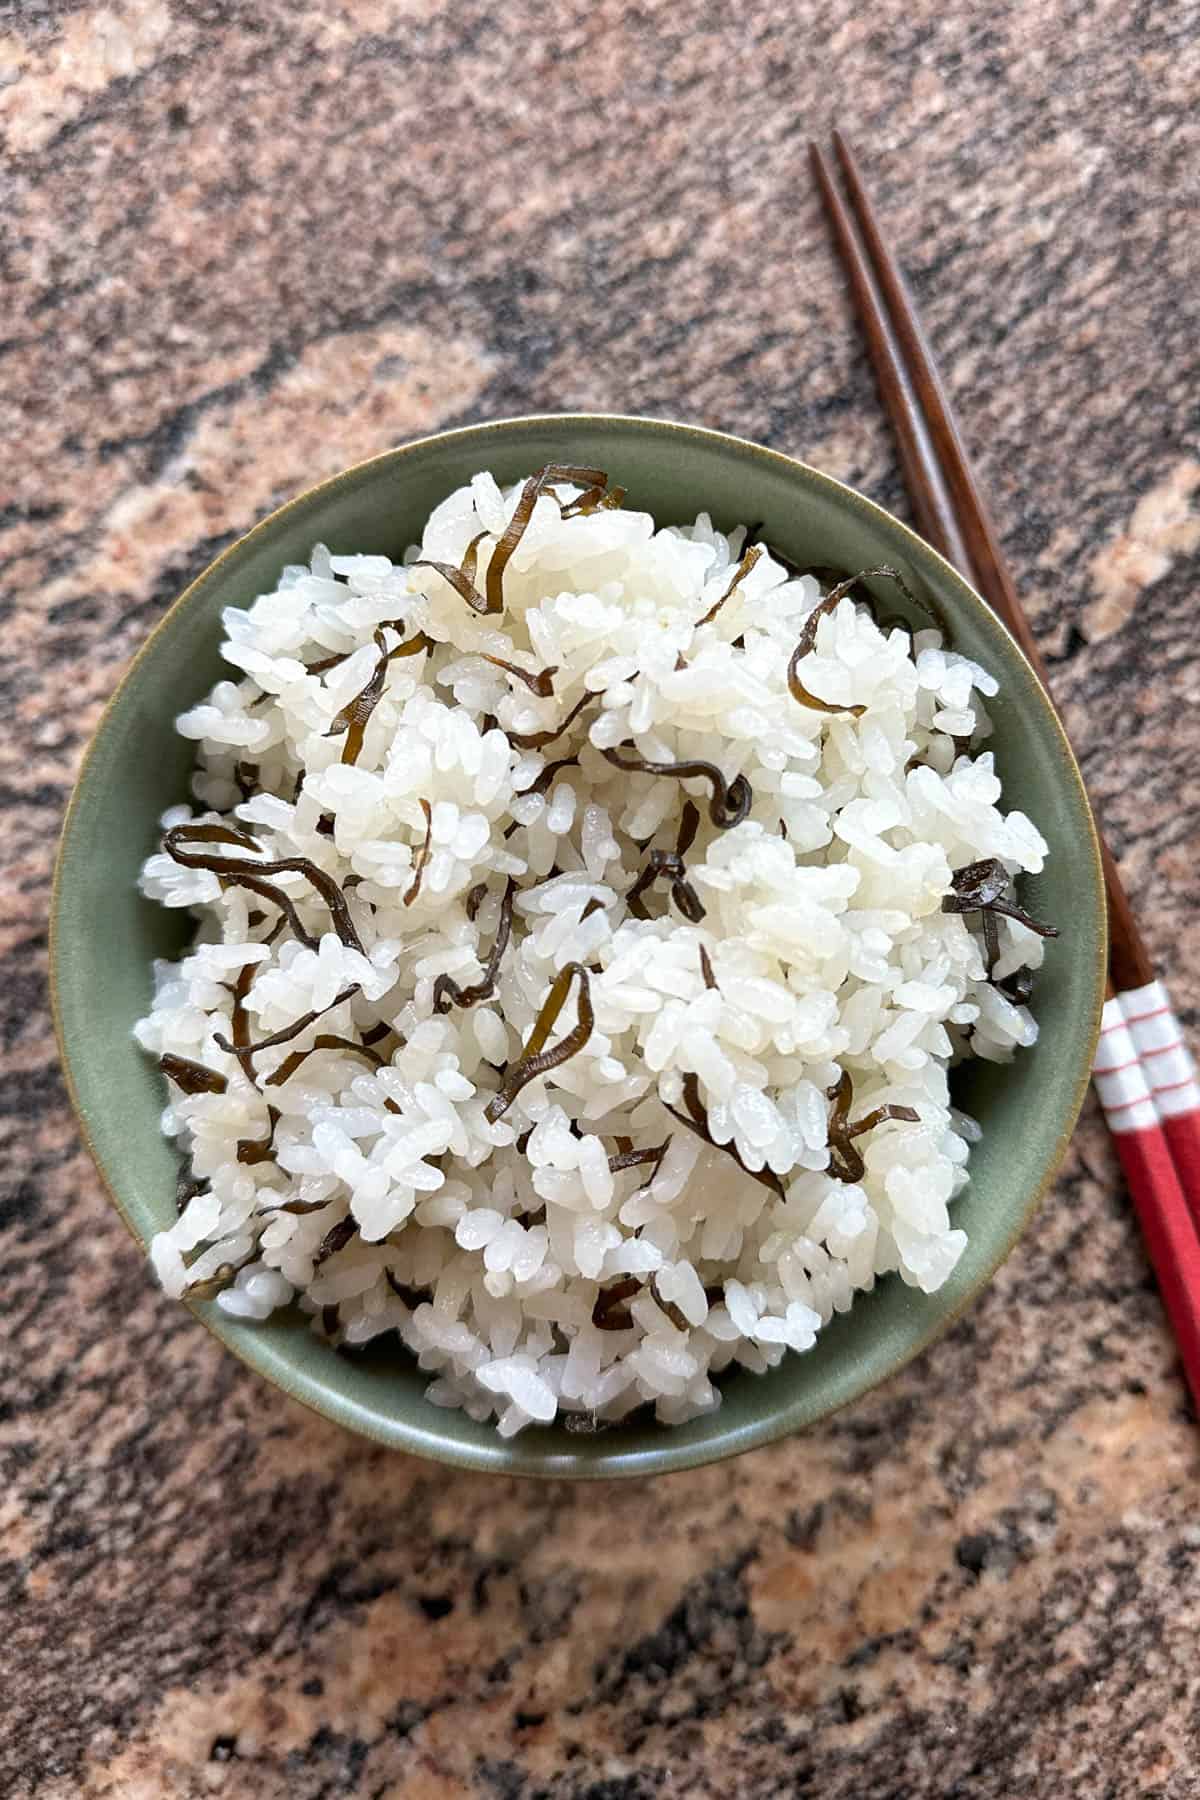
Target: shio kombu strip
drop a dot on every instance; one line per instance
(534, 1060)
(446, 991)
(983, 887)
(845, 1162)
(178, 844)
(728, 805)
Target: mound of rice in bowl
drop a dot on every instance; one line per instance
(589, 914)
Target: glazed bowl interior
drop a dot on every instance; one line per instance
(105, 937)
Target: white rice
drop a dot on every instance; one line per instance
(822, 924)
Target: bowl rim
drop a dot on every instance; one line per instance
(505, 1457)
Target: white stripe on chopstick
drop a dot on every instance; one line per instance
(1158, 1043)
(1119, 1076)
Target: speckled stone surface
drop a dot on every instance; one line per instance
(248, 241)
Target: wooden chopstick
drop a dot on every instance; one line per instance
(1129, 960)
(923, 477)
(932, 438)
(1143, 1073)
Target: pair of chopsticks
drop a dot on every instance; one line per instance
(1143, 1073)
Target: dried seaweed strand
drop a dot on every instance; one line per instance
(245, 775)
(354, 715)
(514, 531)
(696, 1120)
(324, 1041)
(887, 621)
(687, 900)
(1018, 986)
(728, 805)
(462, 578)
(706, 968)
(845, 1162)
(300, 1208)
(586, 502)
(470, 560)
(650, 872)
(598, 498)
(475, 899)
(325, 663)
(542, 784)
(870, 1120)
(462, 584)
(187, 1186)
(611, 1311)
(257, 1150)
(408, 648)
(983, 887)
(826, 605)
(670, 864)
(335, 1239)
(534, 1059)
(287, 908)
(192, 1077)
(276, 928)
(739, 575)
(252, 875)
(537, 740)
(633, 1159)
(249, 1150)
(207, 834)
(538, 681)
(220, 1279)
(247, 1052)
(991, 940)
(807, 643)
(446, 991)
(240, 1020)
(414, 886)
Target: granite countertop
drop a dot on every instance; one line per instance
(245, 244)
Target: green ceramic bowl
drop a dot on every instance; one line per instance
(104, 936)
